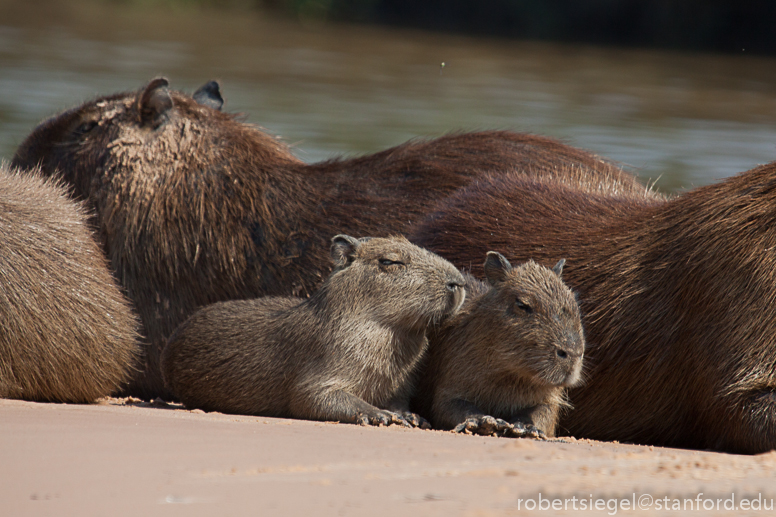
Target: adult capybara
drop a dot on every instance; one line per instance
(678, 300)
(195, 207)
(341, 354)
(502, 364)
(67, 334)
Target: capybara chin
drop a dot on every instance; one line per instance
(67, 334)
(501, 365)
(678, 300)
(194, 207)
(348, 353)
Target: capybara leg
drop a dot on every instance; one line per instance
(401, 407)
(540, 420)
(342, 406)
(447, 414)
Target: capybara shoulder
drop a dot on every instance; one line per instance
(348, 353)
(501, 365)
(67, 333)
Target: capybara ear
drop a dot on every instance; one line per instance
(558, 268)
(496, 267)
(209, 94)
(343, 248)
(154, 103)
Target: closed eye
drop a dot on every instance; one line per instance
(86, 127)
(523, 306)
(387, 262)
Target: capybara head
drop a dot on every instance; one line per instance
(394, 281)
(535, 326)
(150, 134)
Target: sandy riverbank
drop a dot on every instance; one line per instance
(116, 459)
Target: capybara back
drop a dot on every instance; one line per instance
(67, 333)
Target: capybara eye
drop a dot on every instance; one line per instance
(561, 353)
(387, 262)
(86, 127)
(523, 306)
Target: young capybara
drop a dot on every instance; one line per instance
(502, 364)
(678, 300)
(347, 353)
(195, 207)
(67, 334)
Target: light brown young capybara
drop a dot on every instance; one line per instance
(347, 353)
(678, 300)
(67, 334)
(503, 363)
(194, 207)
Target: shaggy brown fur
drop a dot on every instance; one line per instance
(349, 349)
(67, 334)
(678, 300)
(502, 364)
(195, 207)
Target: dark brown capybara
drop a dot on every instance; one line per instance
(67, 334)
(347, 353)
(195, 207)
(678, 300)
(503, 363)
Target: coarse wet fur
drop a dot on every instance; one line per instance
(194, 207)
(67, 334)
(678, 300)
(348, 353)
(503, 363)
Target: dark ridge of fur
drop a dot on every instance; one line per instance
(194, 207)
(677, 300)
(349, 349)
(67, 334)
(498, 357)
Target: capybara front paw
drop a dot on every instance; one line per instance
(521, 430)
(484, 425)
(415, 420)
(381, 417)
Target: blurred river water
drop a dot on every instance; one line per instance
(680, 120)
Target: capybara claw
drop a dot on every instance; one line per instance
(484, 425)
(520, 430)
(415, 420)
